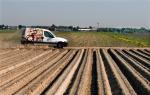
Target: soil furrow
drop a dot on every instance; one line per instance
(27, 72)
(120, 87)
(52, 88)
(137, 82)
(24, 68)
(94, 86)
(145, 51)
(63, 87)
(140, 54)
(54, 77)
(21, 83)
(5, 52)
(73, 86)
(9, 54)
(136, 57)
(103, 82)
(134, 64)
(148, 51)
(6, 59)
(26, 58)
(86, 79)
(37, 86)
(75, 71)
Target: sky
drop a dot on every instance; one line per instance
(84, 13)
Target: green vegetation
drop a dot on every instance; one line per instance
(12, 36)
(137, 39)
(85, 39)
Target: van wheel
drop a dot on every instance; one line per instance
(24, 42)
(60, 45)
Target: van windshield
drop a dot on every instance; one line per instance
(48, 34)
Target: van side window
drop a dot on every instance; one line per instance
(47, 34)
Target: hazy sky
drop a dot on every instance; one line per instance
(109, 13)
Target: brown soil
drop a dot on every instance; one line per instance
(74, 70)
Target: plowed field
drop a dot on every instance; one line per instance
(75, 71)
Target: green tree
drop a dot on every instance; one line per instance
(20, 26)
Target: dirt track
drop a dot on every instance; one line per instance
(71, 71)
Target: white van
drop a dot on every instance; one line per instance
(38, 35)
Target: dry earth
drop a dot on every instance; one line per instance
(71, 71)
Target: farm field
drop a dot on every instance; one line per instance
(11, 38)
(106, 39)
(71, 71)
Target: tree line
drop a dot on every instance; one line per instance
(76, 28)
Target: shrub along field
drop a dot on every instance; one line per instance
(86, 39)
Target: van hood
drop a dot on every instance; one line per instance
(60, 39)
